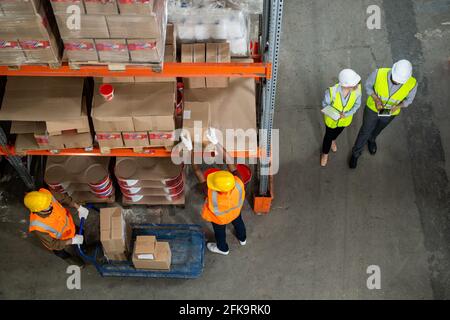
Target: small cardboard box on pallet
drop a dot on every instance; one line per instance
(161, 139)
(109, 140)
(134, 26)
(115, 233)
(136, 139)
(91, 26)
(162, 255)
(196, 120)
(136, 7)
(61, 6)
(194, 53)
(19, 8)
(217, 53)
(80, 50)
(144, 50)
(112, 50)
(11, 52)
(101, 6)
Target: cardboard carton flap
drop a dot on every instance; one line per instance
(42, 98)
(145, 245)
(28, 127)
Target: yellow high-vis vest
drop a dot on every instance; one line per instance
(336, 102)
(382, 90)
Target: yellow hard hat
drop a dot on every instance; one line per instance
(222, 181)
(37, 201)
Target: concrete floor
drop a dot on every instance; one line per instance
(327, 225)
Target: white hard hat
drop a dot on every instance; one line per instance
(402, 71)
(348, 78)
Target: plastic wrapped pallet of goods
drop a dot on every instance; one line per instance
(94, 26)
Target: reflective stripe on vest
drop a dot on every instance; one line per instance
(215, 203)
(381, 89)
(42, 225)
(336, 103)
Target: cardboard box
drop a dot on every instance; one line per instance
(136, 27)
(11, 52)
(101, 6)
(40, 51)
(109, 139)
(149, 107)
(162, 261)
(145, 247)
(194, 53)
(217, 53)
(60, 6)
(25, 27)
(70, 140)
(36, 128)
(196, 120)
(139, 7)
(112, 50)
(153, 169)
(114, 232)
(19, 7)
(91, 26)
(135, 139)
(82, 50)
(144, 50)
(161, 139)
(42, 99)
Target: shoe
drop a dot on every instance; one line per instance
(243, 243)
(213, 248)
(353, 162)
(323, 160)
(372, 147)
(334, 146)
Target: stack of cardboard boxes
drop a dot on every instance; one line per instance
(48, 113)
(28, 33)
(112, 30)
(115, 234)
(201, 53)
(140, 115)
(151, 181)
(151, 254)
(84, 179)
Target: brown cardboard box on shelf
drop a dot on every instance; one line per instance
(237, 99)
(154, 169)
(60, 6)
(70, 140)
(23, 27)
(42, 98)
(101, 6)
(139, 7)
(197, 114)
(112, 50)
(217, 53)
(144, 50)
(162, 259)
(150, 106)
(135, 139)
(36, 129)
(133, 26)
(40, 51)
(194, 53)
(19, 8)
(11, 52)
(27, 142)
(91, 26)
(109, 139)
(145, 247)
(161, 139)
(80, 50)
(115, 233)
(170, 34)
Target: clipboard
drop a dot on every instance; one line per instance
(331, 112)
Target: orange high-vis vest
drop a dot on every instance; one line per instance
(58, 224)
(223, 207)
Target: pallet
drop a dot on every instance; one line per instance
(115, 66)
(16, 67)
(106, 150)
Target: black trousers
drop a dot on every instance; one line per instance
(220, 233)
(330, 135)
(370, 129)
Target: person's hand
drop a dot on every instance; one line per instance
(211, 135)
(78, 239)
(74, 205)
(186, 140)
(395, 108)
(82, 212)
(342, 115)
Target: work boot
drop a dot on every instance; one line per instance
(372, 147)
(213, 248)
(243, 243)
(334, 146)
(353, 162)
(323, 160)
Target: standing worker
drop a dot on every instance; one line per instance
(53, 224)
(389, 91)
(342, 101)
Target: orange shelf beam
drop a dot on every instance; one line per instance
(148, 153)
(170, 69)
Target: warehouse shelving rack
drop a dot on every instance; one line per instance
(266, 71)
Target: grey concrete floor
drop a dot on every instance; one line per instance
(327, 225)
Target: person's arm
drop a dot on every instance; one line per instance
(326, 99)
(51, 243)
(370, 83)
(410, 98)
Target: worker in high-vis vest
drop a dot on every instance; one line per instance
(223, 204)
(53, 224)
(389, 91)
(341, 102)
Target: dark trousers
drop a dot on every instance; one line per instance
(69, 255)
(370, 129)
(330, 136)
(220, 233)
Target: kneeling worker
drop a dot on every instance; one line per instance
(53, 224)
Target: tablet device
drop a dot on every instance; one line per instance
(384, 113)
